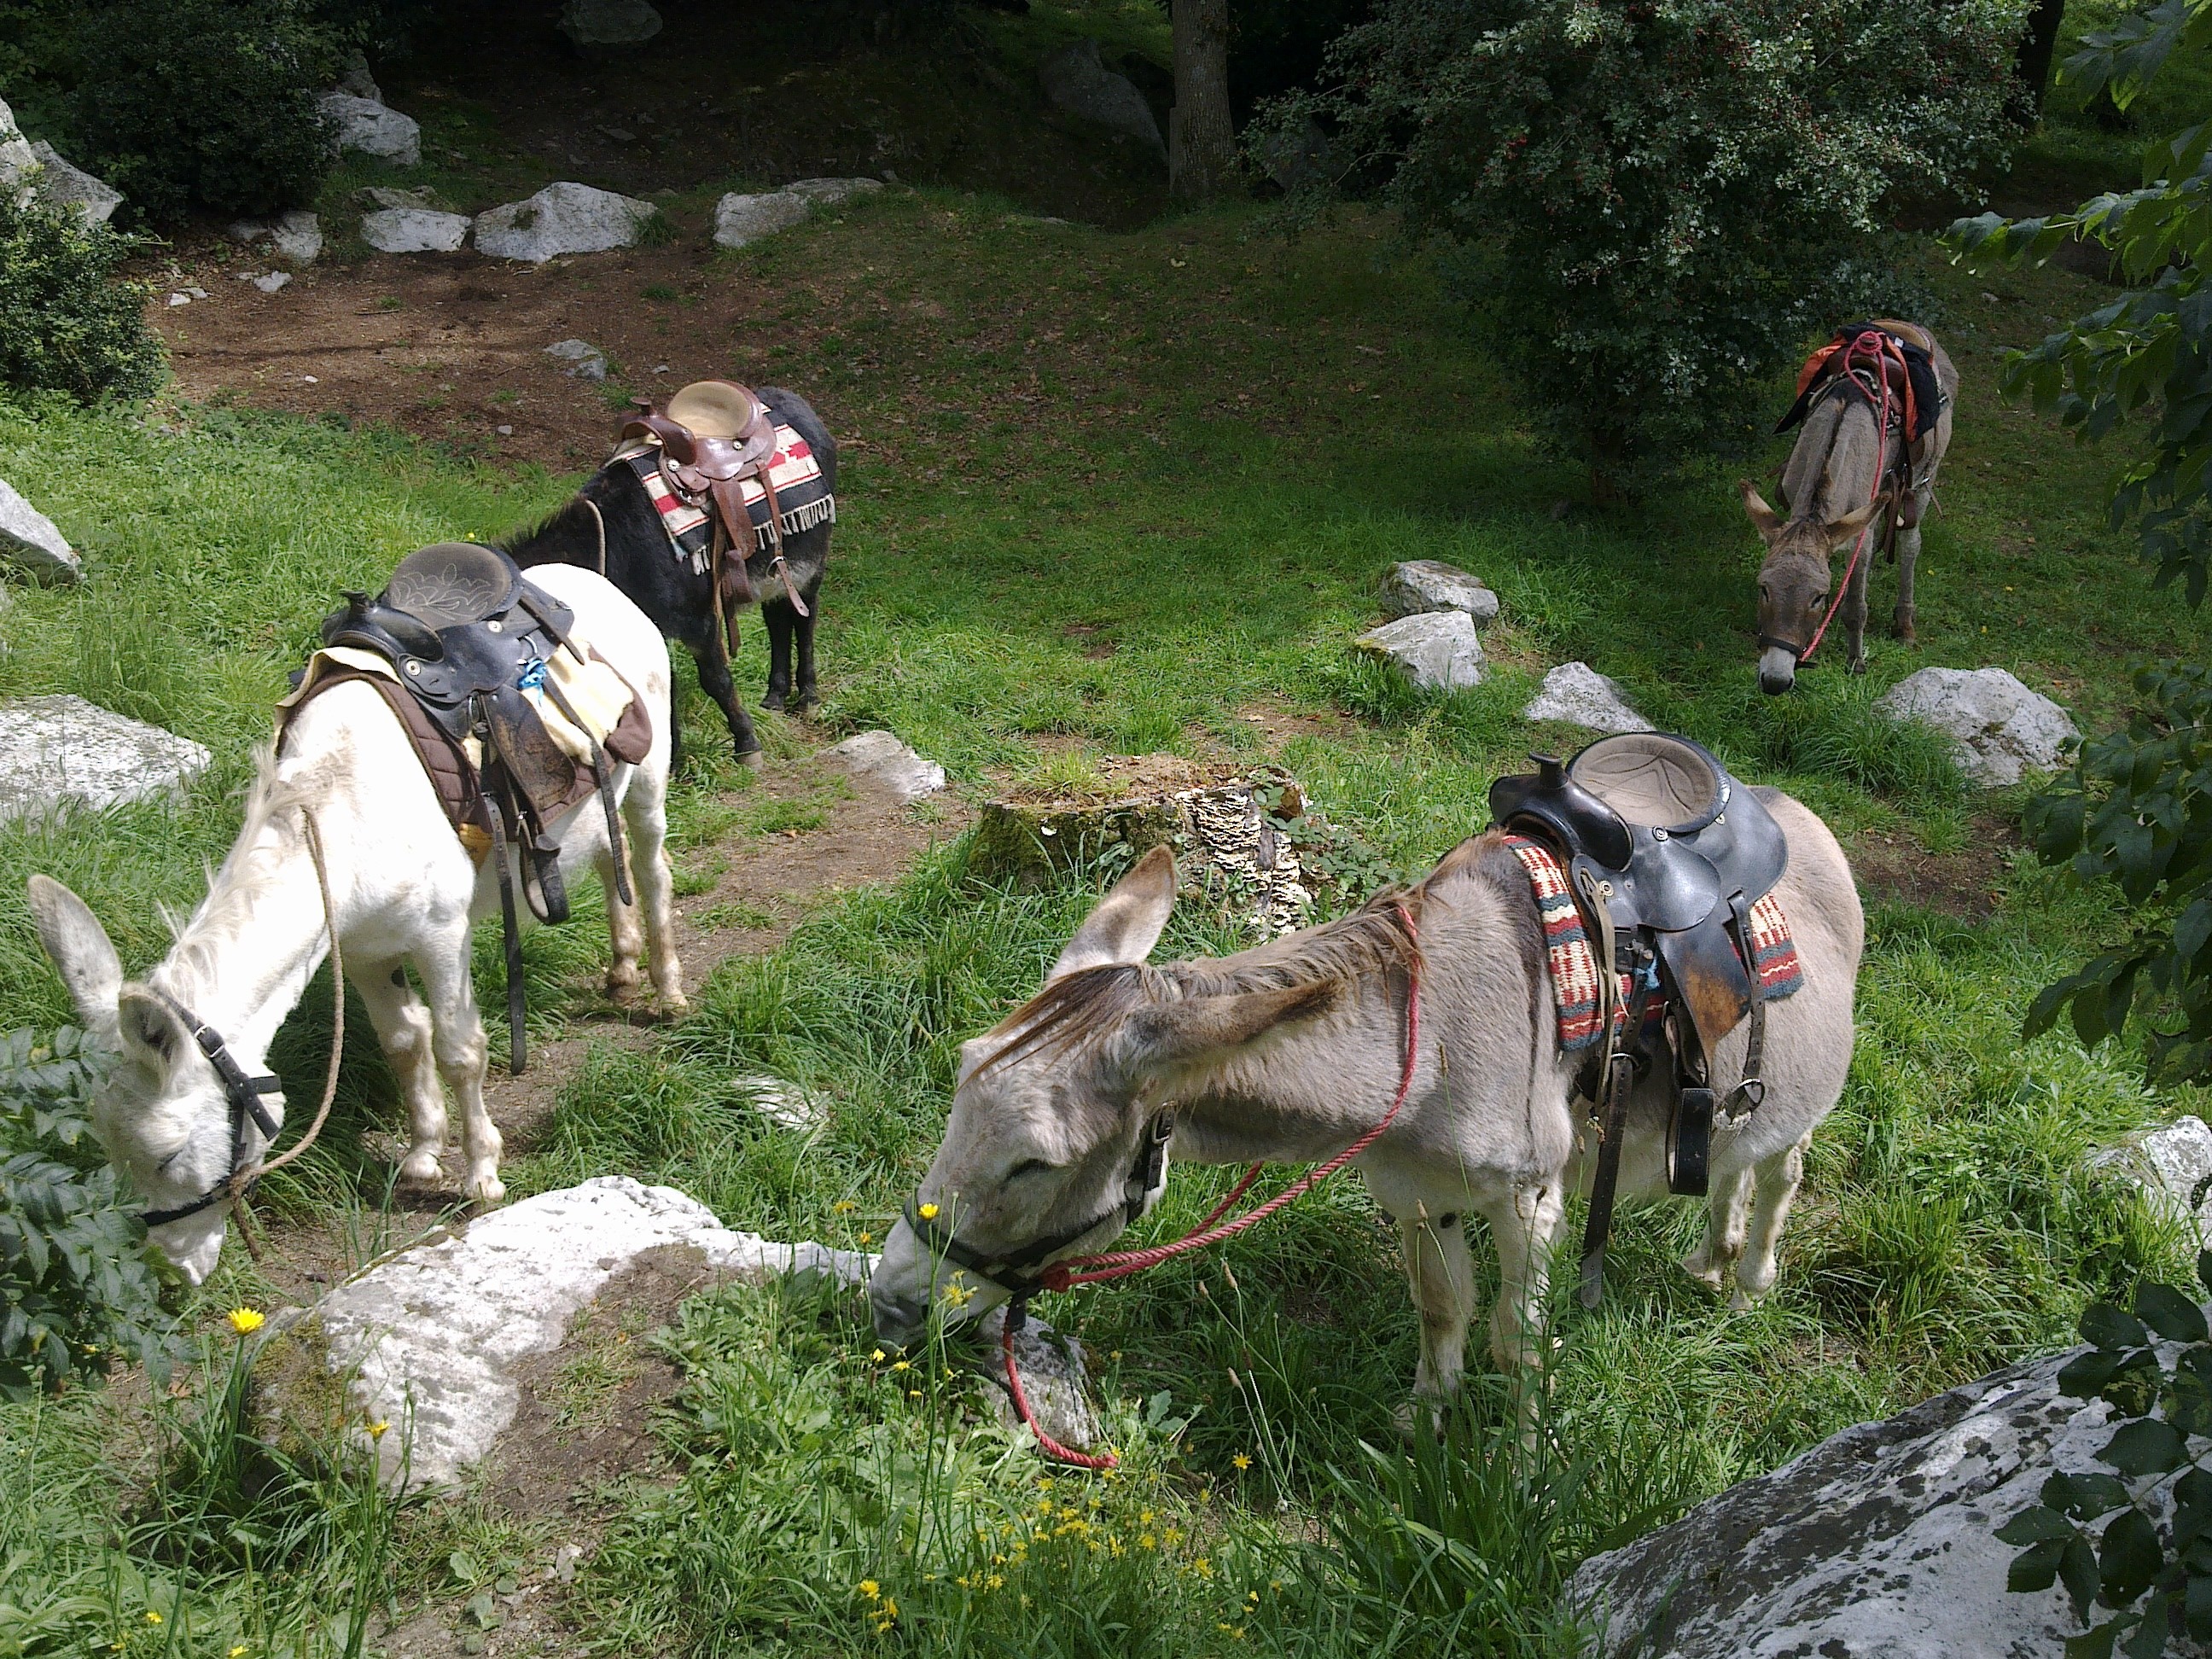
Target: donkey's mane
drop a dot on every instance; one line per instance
(513, 541)
(268, 838)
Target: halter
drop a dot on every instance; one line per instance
(244, 1094)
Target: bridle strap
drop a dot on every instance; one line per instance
(244, 1093)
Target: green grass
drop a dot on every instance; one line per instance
(1202, 446)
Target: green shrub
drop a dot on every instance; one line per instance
(75, 1289)
(69, 320)
(206, 103)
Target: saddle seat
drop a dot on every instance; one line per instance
(715, 436)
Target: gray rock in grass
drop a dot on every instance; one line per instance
(585, 360)
(1877, 1544)
(1999, 729)
(881, 759)
(609, 22)
(562, 218)
(1437, 650)
(30, 543)
(63, 184)
(297, 235)
(741, 220)
(828, 192)
(61, 749)
(2172, 1164)
(1078, 81)
(371, 128)
(1053, 1380)
(436, 1337)
(414, 230)
(1421, 585)
(1578, 695)
(781, 1103)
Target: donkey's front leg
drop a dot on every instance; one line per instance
(1778, 1177)
(714, 680)
(458, 1040)
(626, 938)
(777, 615)
(1721, 1247)
(1442, 1273)
(1855, 611)
(403, 1031)
(1908, 559)
(1526, 1223)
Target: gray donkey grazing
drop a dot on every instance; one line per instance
(1840, 462)
(1290, 1051)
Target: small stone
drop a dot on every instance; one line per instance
(64, 185)
(63, 748)
(777, 1100)
(564, 1563)
(297, 235)
(30, 543)
(176, 300)
(372, 128)
(414, 230)
(1999, 729)
(196, 292)
(1575, 694)
(1420, 584)
(828, 192)
(882, 759)
(270, 281)
(620, 134)
(609, 22)
(740, 218)
(1437, 651)
(504, 431)
(562, 218)
(585, 360)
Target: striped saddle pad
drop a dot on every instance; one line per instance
(803, 497)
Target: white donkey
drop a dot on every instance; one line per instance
(1290, 1051)
(182, 1112)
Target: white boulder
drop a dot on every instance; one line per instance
(2173, 1166)
(64, 185)
(297, 235)
(830, 192)
(414, 230)
(1437, 650)
(1998, 729)
(1578, 695)
(64, 749)
(30, 544)
(585, 361)
(1078, 81)
(371, 128)
(740, 218)
(19, 163)
(1420, 584)
(562, 218)
(435, 1336)
(609, 22)
(1877, 1544)
(881, 759)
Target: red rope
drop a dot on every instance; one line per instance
(1119, 1264)
(1872, 342)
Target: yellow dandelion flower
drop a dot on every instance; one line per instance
(236, 1652)
(878, 1355)
(1146, 1541)
(152, 1617)
(378, 1429)
(996, 1581)
(867, 1238)
(1241, 1462)
(899, 1365)
(844, 1207)
(246, 1321)
(929, 1212)
(871, 1590)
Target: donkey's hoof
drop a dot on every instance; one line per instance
(1706, 1272)
(621, 985)
(1906, 632)
(1856, 667)
(674, 1004)
(773, 702)
(484, 1189)
(752, 760)
(420, 1169)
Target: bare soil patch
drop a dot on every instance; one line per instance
(1896, 869)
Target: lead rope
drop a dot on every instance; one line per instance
(242, 1180)
(1881, 472)
(1120, 1264)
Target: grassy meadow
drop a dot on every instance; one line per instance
(1113, 494)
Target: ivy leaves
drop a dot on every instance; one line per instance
(2128, 1562)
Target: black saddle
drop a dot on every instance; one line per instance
(1665, 853)
(469, 636)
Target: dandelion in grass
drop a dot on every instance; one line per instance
(1241, 1462)
(867, 1238)
(958, 1295)
(878, 1355)
(871, 1590)
(152, 1617)
(378, 1429)
(246, 1321)
(1146, 1541)
(901, 1365)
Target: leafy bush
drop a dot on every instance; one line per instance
(206, 103)
(69, 320)
(74, 1288)
(1652, 204)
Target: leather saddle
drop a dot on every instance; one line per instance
(1665, 853)
(716, 436)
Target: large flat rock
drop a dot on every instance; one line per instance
(414, 230)
(1575, 694)
(1414, 585)
(740, 219)
(881, 759)
(1999, 730)
(562, 218)
(445, 1331)
(61, 749)
(31, 544)
(64, 183)
(1877, 1544)
(1436, 650)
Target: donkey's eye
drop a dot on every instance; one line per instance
(1028, 1166)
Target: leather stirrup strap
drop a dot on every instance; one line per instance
(1621, 1076)
(1750, 1094)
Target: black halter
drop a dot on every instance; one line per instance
(244, 1094)
(1009, 1270)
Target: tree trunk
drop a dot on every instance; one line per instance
(2031, 65)
(1202, 148)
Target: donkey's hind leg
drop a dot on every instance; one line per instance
(457, 1040)
(1908, 560)
(1778, 1177)
(402, 1030)
(714, 680)
(1441, 1270)
(645, 813)
(623, 934)
(777, 616)
(1722, 1245)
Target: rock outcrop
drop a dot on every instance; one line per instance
(32, 546)
(65, 185)
(2172, 1164)
(1999, 730)
(1417, 586)
(1575, 694)
(562, 218)
(1436, 650)
(371, 128)
(63, 749)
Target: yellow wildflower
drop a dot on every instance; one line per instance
(1146, 1541)
(899, 1365)
(152, 1617)
(867, 1238)
(844, 1207)
(1241, 1462)
(378, 1429)
(929, 1212)
(246, 1321)
(871, 1590)
(237, 1650)
(996, 1581)
(878, 1355)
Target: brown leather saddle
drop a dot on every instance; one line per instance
(716, 436)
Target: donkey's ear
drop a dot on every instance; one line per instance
(79, 946)
(148, 1030)
(1764, 518)
(1174, 1033)
(1121, 932)
(1840, 530)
